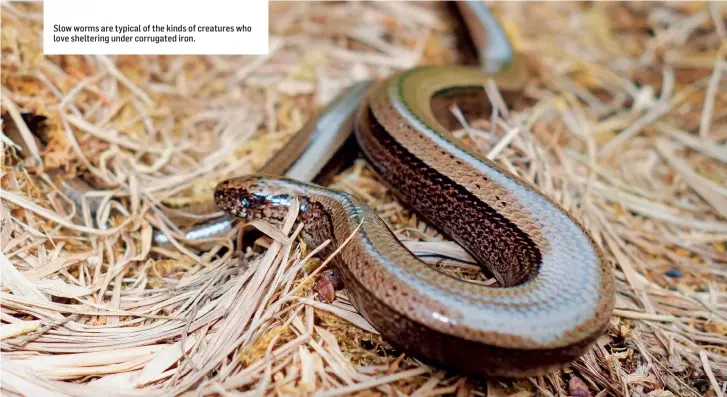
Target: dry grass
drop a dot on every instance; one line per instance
(626, 128)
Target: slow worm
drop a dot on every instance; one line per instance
(557, 291)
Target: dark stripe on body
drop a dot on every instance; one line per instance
(495, 241)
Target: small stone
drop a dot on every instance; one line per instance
(578, 388)
(674, 273)
(325, 289)
(327, 285)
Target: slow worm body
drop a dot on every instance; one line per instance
(557, 291)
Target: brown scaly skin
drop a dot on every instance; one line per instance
(558, 293)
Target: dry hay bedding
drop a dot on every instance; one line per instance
(624, 124)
